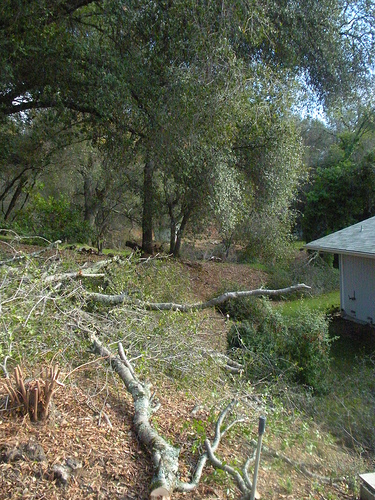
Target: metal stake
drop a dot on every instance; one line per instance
(261, 429)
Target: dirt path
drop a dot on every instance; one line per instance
(212, 278)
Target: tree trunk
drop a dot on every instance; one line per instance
(21, 184)
(179, 234)
(89, 194)
(173, 228)
(148, 208)
(10, 184)
(172, 240)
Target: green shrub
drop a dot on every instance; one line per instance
(349, 411)
(296, 348)
(54, 219)
(241, 309)
(268, 239)
(313, 271)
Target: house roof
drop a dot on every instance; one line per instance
(358, 239)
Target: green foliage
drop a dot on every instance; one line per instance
(54, 219)
(338, 198)
(349, 409)
(240, 309)
(267, 237)
(296, 348)
(354, 391)
(342, 187)
(312, 270)
(173, 90)
(271, 156)
(34, 330)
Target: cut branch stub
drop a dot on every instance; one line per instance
(160, 494)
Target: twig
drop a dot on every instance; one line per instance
(125, 360)
(4, 367)
(83, 366)
(17, 258)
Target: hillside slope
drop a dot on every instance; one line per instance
(91, 418)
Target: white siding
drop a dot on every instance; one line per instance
(357, 287)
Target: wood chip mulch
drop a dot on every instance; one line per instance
(112, 464)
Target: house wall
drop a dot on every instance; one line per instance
(357, 288)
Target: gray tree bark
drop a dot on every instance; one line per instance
(171, 306)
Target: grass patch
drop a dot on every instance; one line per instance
(325, 303)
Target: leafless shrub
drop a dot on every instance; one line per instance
(33, 396)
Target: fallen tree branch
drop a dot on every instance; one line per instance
(74, 275)
(226, 362)
(17, 258)
(170, 306)
(210, 450)
(165, 457)
(242, 480)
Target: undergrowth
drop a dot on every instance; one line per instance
(44, 322)
(272, 345)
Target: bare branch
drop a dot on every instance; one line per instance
(164, 455)
(17, 258)
(170, 306)
(3, 366)
(74, 275)
(230, 470)
(186, 487)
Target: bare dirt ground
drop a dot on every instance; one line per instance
(91, 426)
(210, 278)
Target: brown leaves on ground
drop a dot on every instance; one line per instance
(95, 430)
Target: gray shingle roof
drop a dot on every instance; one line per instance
(358, 239)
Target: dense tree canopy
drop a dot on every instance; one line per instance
(171, 94)
(342, 185)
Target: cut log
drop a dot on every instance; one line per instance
(160, 494)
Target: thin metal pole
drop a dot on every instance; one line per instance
(261, 429)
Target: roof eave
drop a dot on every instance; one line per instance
(355, 253)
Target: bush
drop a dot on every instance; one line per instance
(240, 309)
(296, 348)
(315, 272)
(54, 219)
(268, 238)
